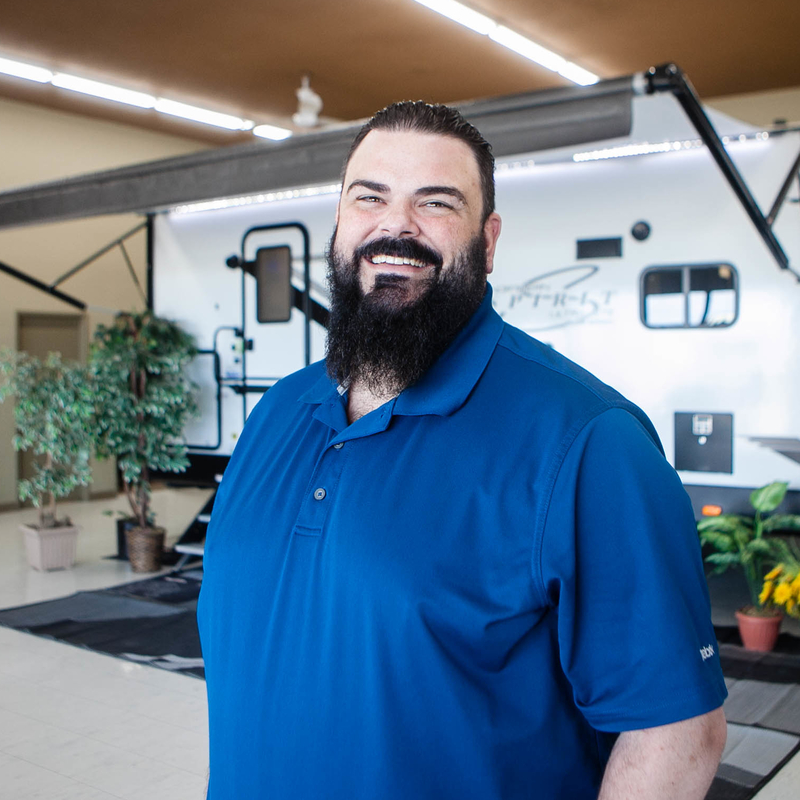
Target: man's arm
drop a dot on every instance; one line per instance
(671, 762)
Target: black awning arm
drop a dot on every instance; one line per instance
(794, 172)
(670, 78)
(15, 273)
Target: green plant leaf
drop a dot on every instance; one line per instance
(725, 523)
(724, 559)
(719, 541)
(769, 497)
(782, 522)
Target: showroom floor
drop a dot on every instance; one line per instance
(77, 725)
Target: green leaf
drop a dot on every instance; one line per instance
(719, 541)
(725, 523)
(724, 559)
(768, 497)
(782, 522)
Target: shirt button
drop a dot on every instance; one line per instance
(338, 446)
(319, 494)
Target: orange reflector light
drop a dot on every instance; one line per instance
(712, 511)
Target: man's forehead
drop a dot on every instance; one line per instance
(430, 154)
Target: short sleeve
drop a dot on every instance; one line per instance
(621, 564)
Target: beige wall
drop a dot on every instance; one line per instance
(39, 145)
(761, 108)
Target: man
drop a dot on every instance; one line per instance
(447, 562)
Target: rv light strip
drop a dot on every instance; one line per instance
(254, 199)
(646, 148)
(506, 166)
(486, 26)
(309, 191)
(118, 94)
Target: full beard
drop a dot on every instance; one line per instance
(387, 339)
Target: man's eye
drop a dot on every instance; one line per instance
(369, 198)
(437, 204)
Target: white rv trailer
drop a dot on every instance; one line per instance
(643, 269)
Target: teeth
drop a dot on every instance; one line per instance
(397, 261)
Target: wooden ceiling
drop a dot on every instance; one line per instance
(247, 57)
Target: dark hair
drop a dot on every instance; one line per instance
(416, 115)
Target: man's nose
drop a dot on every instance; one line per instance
(399, 221)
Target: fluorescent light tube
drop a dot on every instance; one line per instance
(511, 39)
(272, 132)
(572, 72)
(461, 14)
(103, 90)
(525, 47)
(27, 71)
(203, 115)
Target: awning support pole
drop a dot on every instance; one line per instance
(669, 77)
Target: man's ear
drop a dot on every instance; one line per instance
(491, 233)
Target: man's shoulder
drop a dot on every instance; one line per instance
(292, 388)
(529, 358)
(299, 382)
(539, 378)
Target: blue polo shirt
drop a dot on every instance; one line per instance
(464, 594)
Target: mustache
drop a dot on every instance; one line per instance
(401, 248)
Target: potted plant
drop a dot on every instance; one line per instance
(747, 542)
(52, 418)
(142, 401)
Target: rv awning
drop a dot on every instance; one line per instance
(516, 124)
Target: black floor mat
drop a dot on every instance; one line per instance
(150, 621)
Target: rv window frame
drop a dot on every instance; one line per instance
(686, 272)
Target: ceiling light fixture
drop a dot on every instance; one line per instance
(511, 39)
(27, 71)
(272, 132)
(104, 90)
(196, 114)
(462, 15)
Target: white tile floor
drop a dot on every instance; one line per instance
(78, 725)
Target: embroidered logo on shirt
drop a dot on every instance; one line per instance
(706, 652)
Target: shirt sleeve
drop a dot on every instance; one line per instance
(621, 564)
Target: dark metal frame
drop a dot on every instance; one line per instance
(301, 299)
(670, 78)
(685, 286)
(51, 288)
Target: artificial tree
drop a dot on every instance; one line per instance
(52, 416)
(143, 401)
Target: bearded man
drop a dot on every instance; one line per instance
(447, 562)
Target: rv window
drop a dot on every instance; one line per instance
(702, 296)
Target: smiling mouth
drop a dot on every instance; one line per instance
(398, 261)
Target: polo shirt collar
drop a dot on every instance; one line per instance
(446, 385)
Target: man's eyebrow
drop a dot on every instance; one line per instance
(371, 185)
(448, 190)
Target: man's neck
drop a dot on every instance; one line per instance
(361, 400)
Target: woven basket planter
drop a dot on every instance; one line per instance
(145, 546)
(50, 548)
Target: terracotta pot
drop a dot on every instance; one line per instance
(758, 633)
(50, 548)
(145, 546)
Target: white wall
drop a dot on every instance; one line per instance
(39, 145)
(761, 108)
